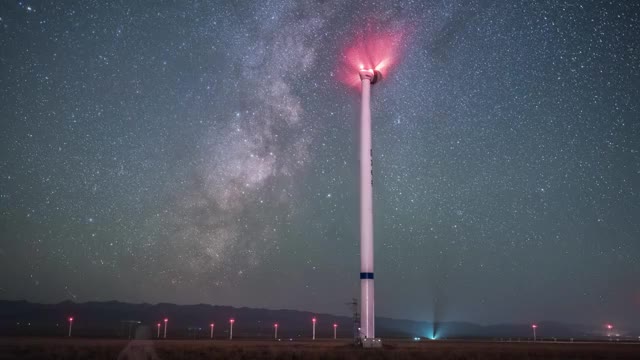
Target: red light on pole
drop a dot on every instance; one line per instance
(211, 325)
(275, 329)
(314, 328)
(166, 321)
(335, 328)
(609, 328)
(534, 327)
(231, 321)
(158, 335)
(70, 325)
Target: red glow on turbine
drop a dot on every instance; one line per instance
(70, 319)
(371, 49)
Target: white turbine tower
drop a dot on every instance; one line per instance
(368, 77)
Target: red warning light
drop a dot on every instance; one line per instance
(370, 49)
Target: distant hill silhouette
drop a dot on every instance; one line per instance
(117, 319)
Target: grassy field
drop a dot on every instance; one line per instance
(64, 348)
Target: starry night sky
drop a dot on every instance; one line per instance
(206, 152)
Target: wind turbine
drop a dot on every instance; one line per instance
(369, 57)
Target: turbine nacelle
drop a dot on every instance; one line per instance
(371, 74)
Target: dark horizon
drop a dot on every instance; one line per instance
(105, 319)
(207, 153)
(275, 309)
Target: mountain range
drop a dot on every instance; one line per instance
(118, 319)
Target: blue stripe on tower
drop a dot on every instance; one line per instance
(366, 275)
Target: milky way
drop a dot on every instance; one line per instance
(253, 157)
(206, 152)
